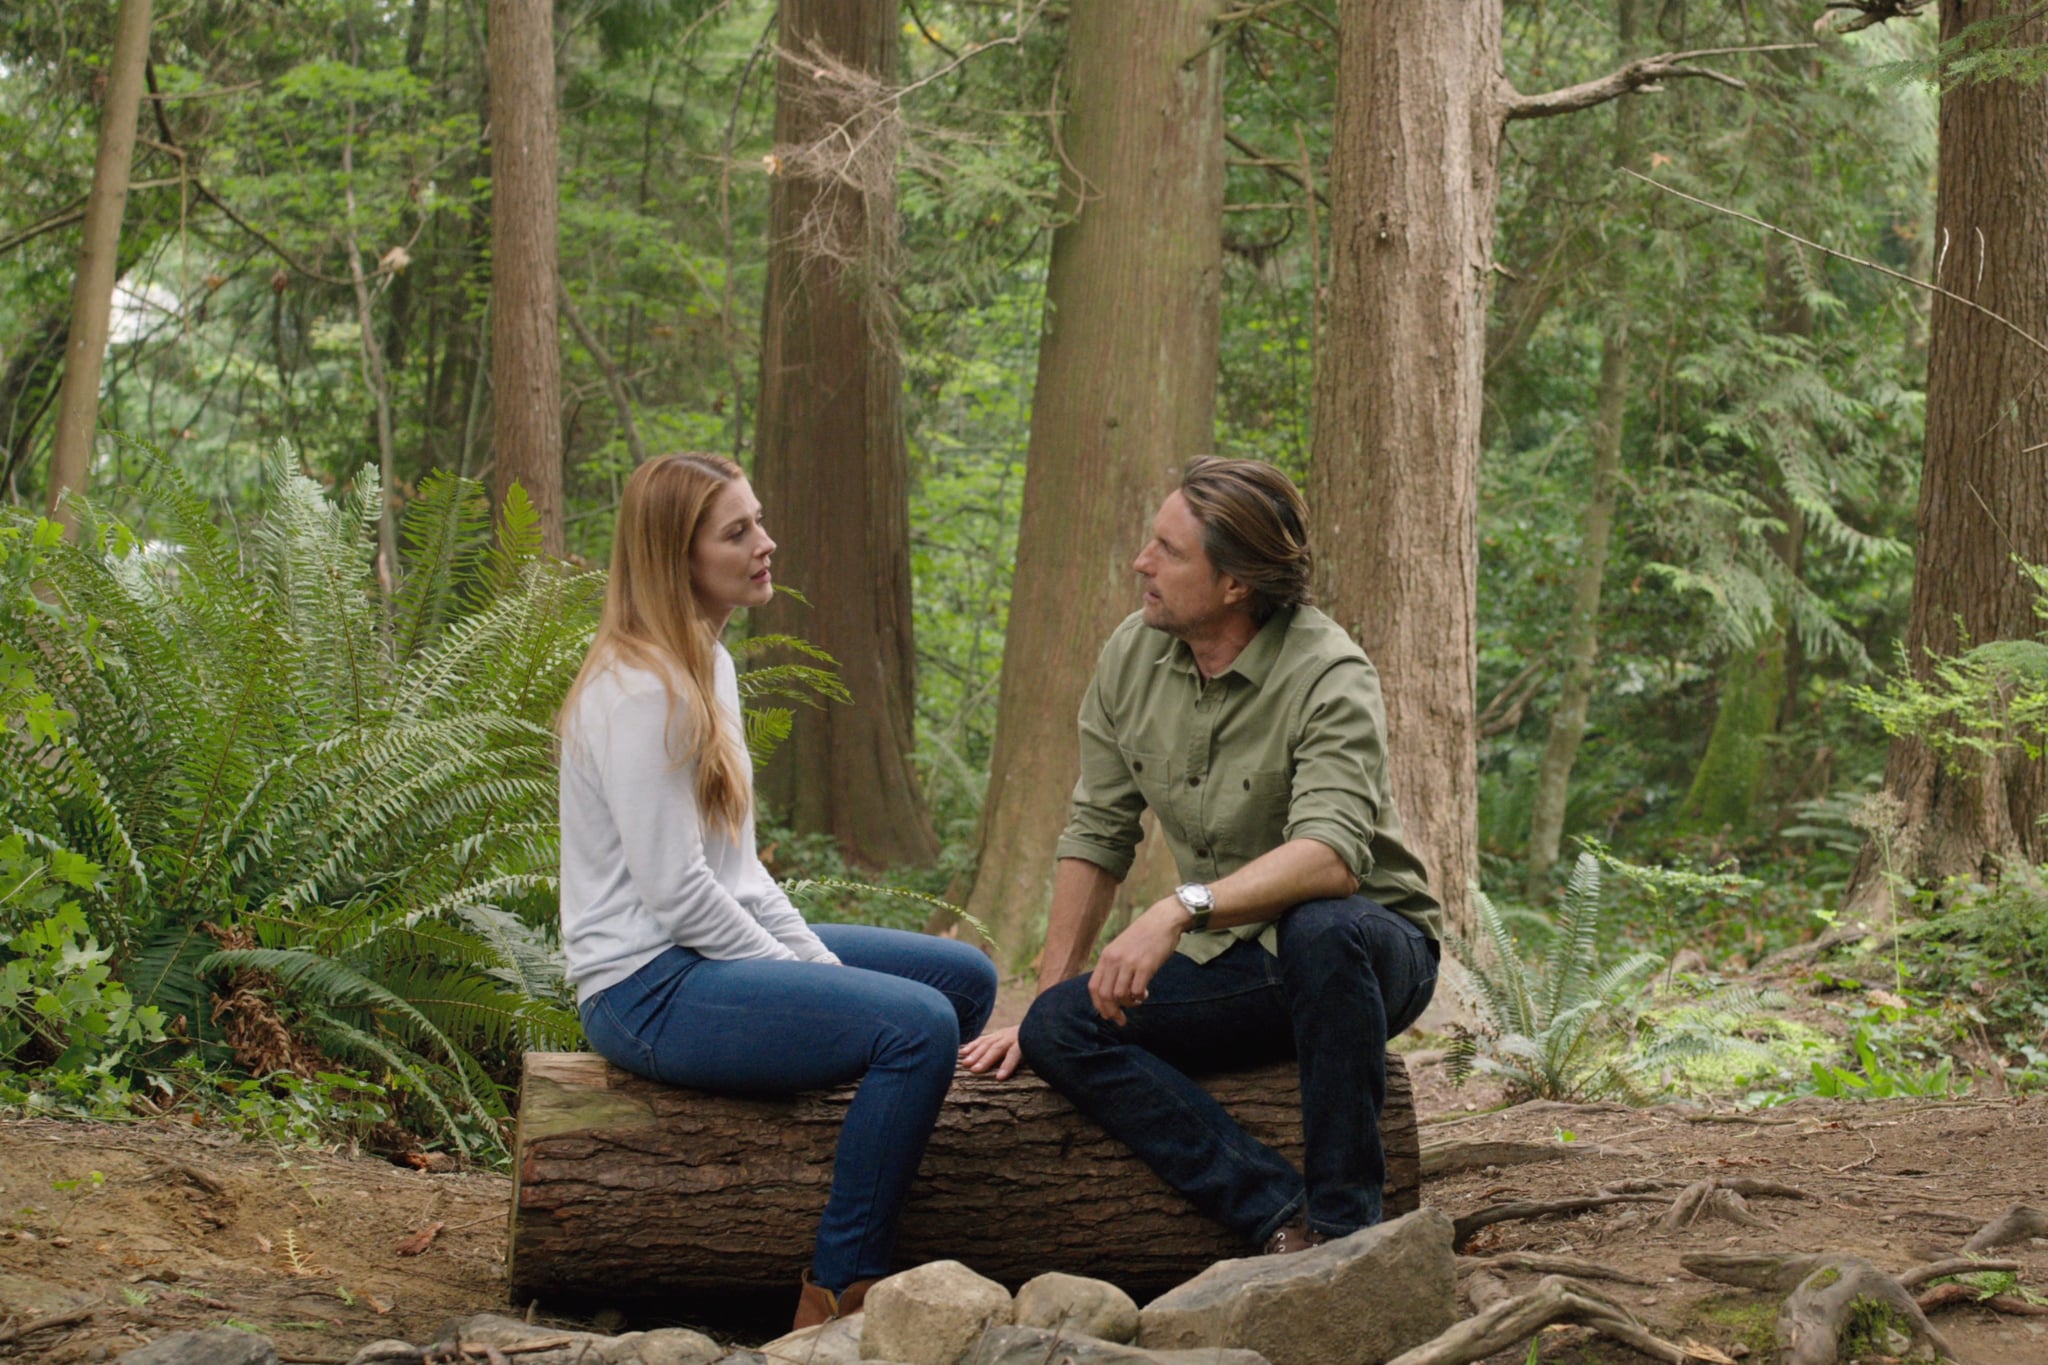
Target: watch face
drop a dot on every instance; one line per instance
(1195, 896)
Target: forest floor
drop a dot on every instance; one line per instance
(142, 1229)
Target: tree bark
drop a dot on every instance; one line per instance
(830, 460)
(625, 1182)
(1126, 390)
(526, 357)
(1394, 473)
(1596, 528)
(1983, 503)
(92, 295)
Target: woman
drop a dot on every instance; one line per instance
(690, 965)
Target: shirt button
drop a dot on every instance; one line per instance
(1201, 853)
(1194, 782)
(1137, 767)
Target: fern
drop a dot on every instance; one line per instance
(248, 740)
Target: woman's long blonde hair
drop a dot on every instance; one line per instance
(651, 620)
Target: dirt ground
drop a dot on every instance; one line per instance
(147, 1228)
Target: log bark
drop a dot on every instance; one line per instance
(628, 1189)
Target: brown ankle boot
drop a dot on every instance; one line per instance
(1292, 1238)
(817, 1304)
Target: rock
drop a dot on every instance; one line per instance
(1360, 1300)
(829, 1343)
(214, 1346)
(669, 1346)
(1038, 1345)
(931, 1315)
(1077, 1305)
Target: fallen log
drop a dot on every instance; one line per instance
(631, 1189)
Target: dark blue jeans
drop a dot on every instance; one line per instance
(1350, 974)
(893, 1017)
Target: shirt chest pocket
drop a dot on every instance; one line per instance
(1250, 810)
(1152, 772)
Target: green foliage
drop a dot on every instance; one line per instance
(64, 1020)
(361, 802)
(1556, 1025)
(1559, 1026)
(1990, 699)
(1881, 1073)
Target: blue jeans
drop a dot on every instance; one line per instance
(1349, 975)
(892, 1017)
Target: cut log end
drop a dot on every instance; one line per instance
(625, 1182)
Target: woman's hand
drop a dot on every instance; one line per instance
(1123, 974)
(996, 1050)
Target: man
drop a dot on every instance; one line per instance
(1251, 725)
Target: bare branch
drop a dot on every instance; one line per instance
(1637, 75)
(1868, 13)
(1928, 285)
(614, 382)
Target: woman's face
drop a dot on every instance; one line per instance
(729, 555)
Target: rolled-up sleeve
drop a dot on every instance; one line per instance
(1102, 820)
(1340, 764)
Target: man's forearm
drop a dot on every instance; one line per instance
(1082, 894)
(1275, 882)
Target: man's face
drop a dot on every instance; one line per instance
(1183, 592)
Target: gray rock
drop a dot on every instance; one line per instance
(669, 1346)
(1078, 1306)
(390, 1348)
(1040, 1346)
(214, 1346)
(742, 1358)
(829, 1343)
(932, 1315)
(1360, 1300)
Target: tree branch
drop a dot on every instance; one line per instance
(1928, 285)
(1637, 75)
(614, 383)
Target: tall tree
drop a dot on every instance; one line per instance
(526, 353)
(1126, 390)
(1983, 503)
(92, 294)
(1414, 179)
(830, 458)
(1596, 524)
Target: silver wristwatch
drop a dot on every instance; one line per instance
(1198, 901)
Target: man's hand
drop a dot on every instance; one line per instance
(1123, 975)
(997, 1051)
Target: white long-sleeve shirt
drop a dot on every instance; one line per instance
(641, 868)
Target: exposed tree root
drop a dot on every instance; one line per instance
(1447, 1158)
(1554, 1299)
(1829, 1302)
(1547, 1265)
(1485, 1289)
(1951, 1294)
(1771, 1272)
(1708, 1199)
(2016, 1224)
(1958, 1265)
(1463, 1228)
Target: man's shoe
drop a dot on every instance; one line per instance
(818, 1305)
(1292, 1238)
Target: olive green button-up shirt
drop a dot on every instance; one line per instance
(1285, 744)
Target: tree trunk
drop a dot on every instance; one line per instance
(1983, 502)
(1582, 635)
(1596, 528)
(1126, 390)
(622, 1181)
(1731, 774)
(830, 461)
(92, 294)
(526, 357)
(1394, 475)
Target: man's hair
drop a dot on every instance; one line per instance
(1254, 528)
